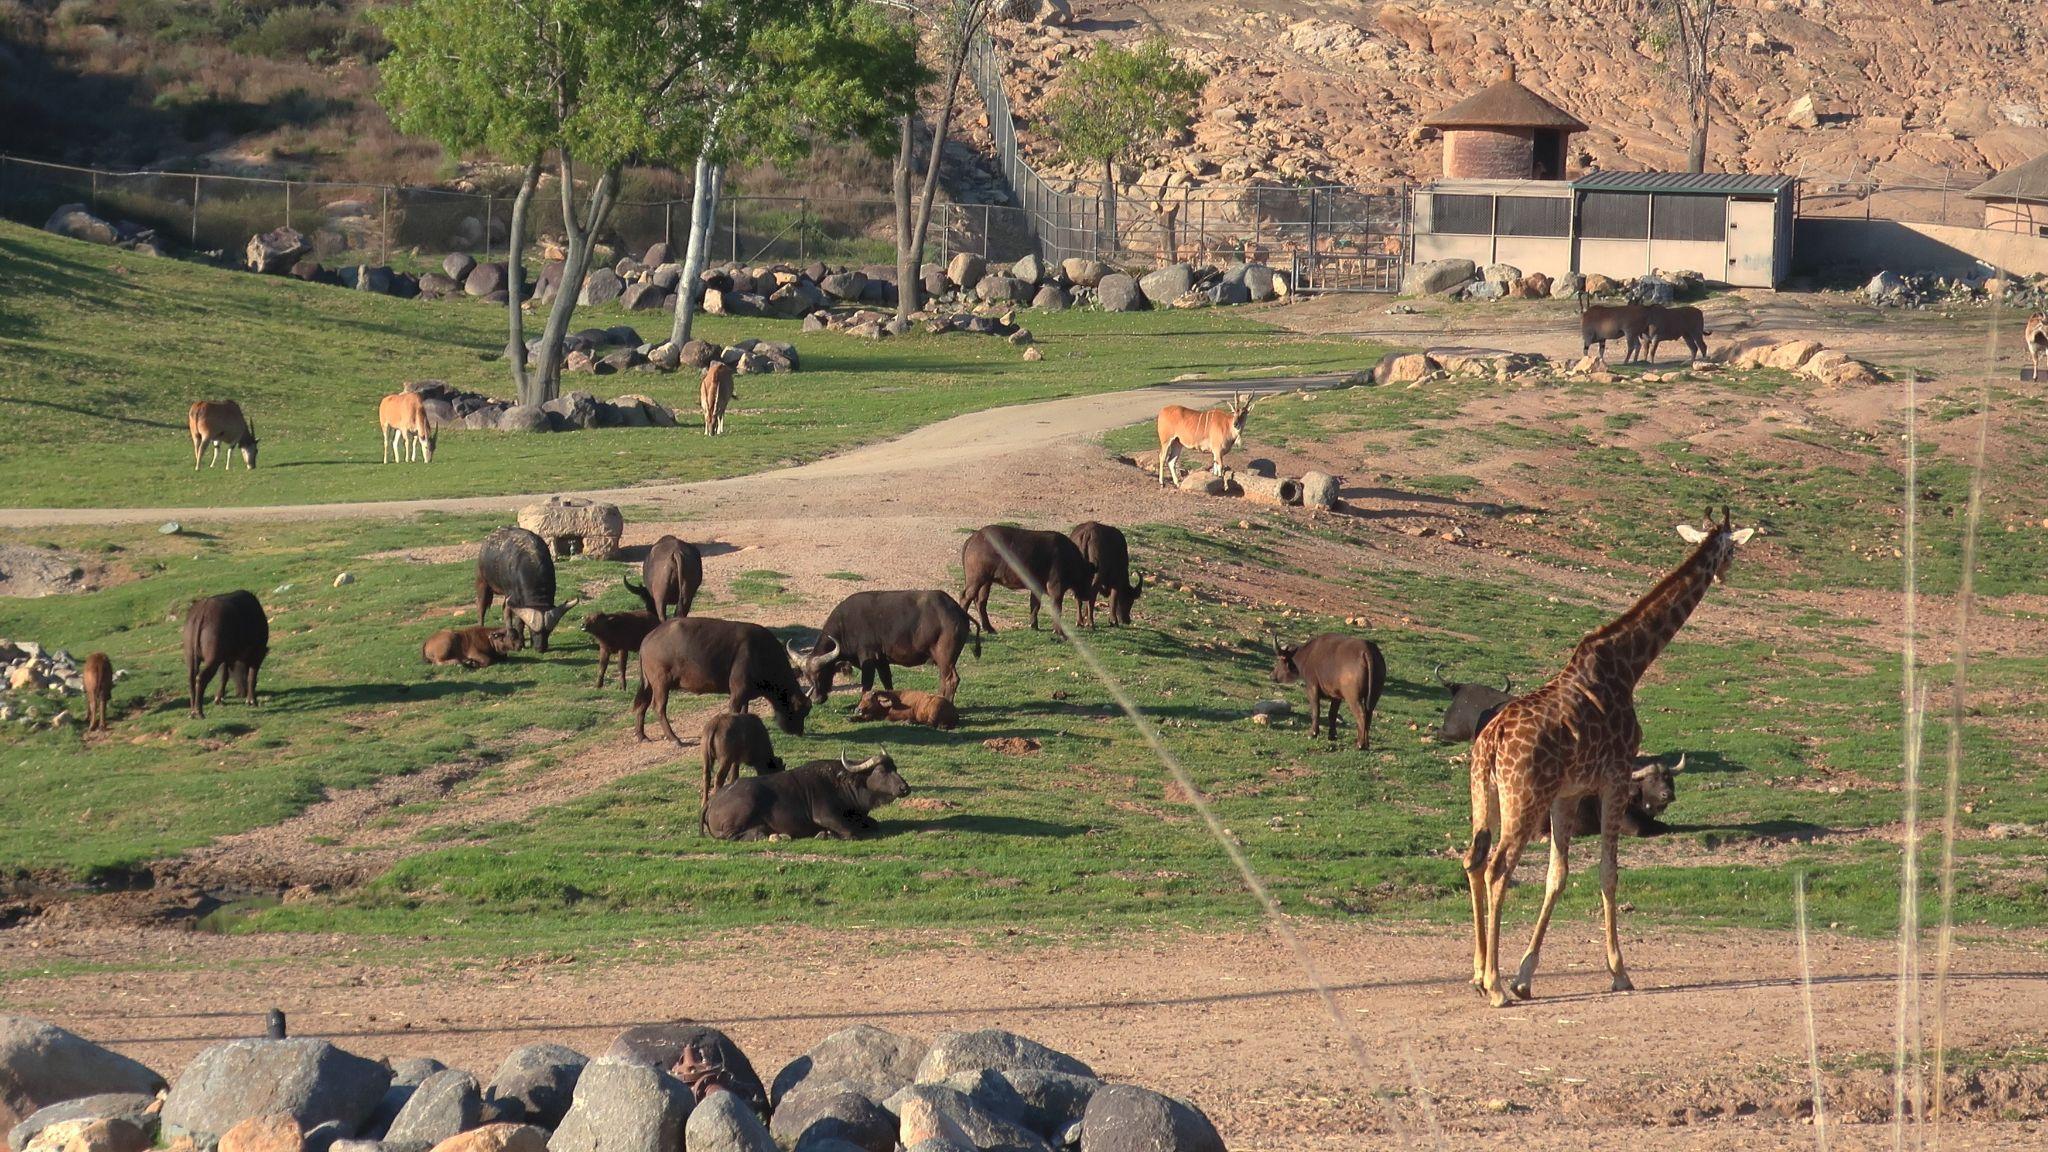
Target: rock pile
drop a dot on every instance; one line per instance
(1456, 279)
(1808, 358)
(34, 680)
(77, 222)
(1907, 290)
(659, 1088)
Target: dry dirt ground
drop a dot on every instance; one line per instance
(1710, 1053)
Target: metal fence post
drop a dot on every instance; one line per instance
(287, 203)
(195, 212)
(95, 192)
(384, 241)
(803, 217)
(490, 214)
(735, 229)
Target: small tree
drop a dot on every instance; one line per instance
(1693, 28)
(950, 30)
(1115, 106)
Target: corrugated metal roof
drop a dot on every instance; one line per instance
(1723, 183)
(2028, 181)
(1504, 105)
(1554, 188)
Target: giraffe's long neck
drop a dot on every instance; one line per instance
(1635, 639)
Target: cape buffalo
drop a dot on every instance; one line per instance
(818, 798)
(1682, 323)
(1346, 669)
(872, 631)
(1603, 322)
(1654, 788)
(515, 564)
(926, 708)
(621, 633)
(228, 634)
(479, 646)
(703, 655)
(730, 743)
(672, 572)
(1029, 561)
(1472, 705)
(1105, 548)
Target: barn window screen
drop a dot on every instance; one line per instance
(1462, 215)
(1614, 216)
(1688, 218)
(1534, 216)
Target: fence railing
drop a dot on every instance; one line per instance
(1908, 197)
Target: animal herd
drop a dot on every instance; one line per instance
(1643, 327)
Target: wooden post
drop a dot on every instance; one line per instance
(384, 239)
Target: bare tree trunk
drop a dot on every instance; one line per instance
(515, 266)
(1109, 209)
(909, 247)
(703, 210)
(1696, 159)
(921, 226)
(547, 383)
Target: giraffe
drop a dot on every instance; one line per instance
(1575, 736)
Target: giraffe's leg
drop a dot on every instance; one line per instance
(1563, 812)
(1498, 871)
(1613, 808)
(1485, 824)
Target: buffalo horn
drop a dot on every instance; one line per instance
(1438, 672)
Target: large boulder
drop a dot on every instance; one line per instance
(42, 1064)
(876, 1062)
(487, 278)
(1118, 292)
(1224, 292)
(574, 409)
(1430, 277)
(833, 1110)
(661, 1044)
(722, 1122)
(1050, 1101)
(1052, 298)
(1028, 269)
(493, 1138)
(1404, 368)
(409, 1073)
(657, 254)
(75, 221)
(988, 1131)
(1162, 286)
(274, 252)
(1652, 289)
(643, 296)
(697, 355)
(624, 1106)
(1123, 1118)
(575, 525)
(1003, 290)
(541, 1078)
(965, 271)
(1500, 272)
(1083, 271)
(312, 1081)
(524, 418)
(1886, 288)
(111, 1135)
(1258, 283)
(992, 1048)
(601, 286)
(844, 285)
(134, 1107)
(373, 278)
(447, 1103)
(458, 265)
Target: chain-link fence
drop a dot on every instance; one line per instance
(1917, 197)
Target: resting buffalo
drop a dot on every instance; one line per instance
(706, 656)
(228, 634)
(730, 743)
(478, 646)
(1604, 322)
(1025, 560)
(515, 564)
(873, 630)
(673, 571)
(1472, 705)
(1346, 669)
(1105, 548)
(926, 708)
(818, 798)
(1652, 789)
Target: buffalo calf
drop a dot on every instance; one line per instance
(1341, 669)
(926, 708)
(814, 799)
(733, 741)
(99, 691)
(228, 634)
(621, 633)
(477, 646)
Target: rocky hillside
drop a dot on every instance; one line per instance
(1330, 91)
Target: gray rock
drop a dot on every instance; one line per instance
(1433, 276)
(643, 296)
(483, 419)
(988, 1131)
(1500, 272)
(373, 278)
(485, 279)
(1003, 290)
(844, 285)
(274, 252)
(722, 1122)
(130, 1106)
(833, 1110)
(1568, 285)
(310, 1080)
(1258, 281)
(936, 285)
(42, 1064)
(622, 336)
(523, 418)
(435, 285)
(992, 1048)
(1051, 298)
(657, 254)
(601, 286)
(1485, 290)
(75, 221)
(1163, 286)
(666, 276)
(1653, 289)
(697, 355)
(1123, 1118)
(1029, 270)
(965, 271)
(1050, 1100)
(573, 409)
(445, 1104)
(624, 1106)
(1083, 271)
(1118, 292)
(661, 1044)
(1885, 288)
(458, 265)
(1321, 490)
(409, 1073)
(989, 1091)
(540, 1078)
(1224, 292)
(875, 1062)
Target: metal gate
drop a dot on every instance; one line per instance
(1352, 239)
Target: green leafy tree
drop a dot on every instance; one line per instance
(1115, 106)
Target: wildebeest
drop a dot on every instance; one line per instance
(478, 646)
(714, 394)
(402, 424)
(703, 655)
(1339, 668)
(1659, 324)
(733, 741)
(1024, 560)
(2037, 341)
(1653, 788)
(220, 422)
(99, 691)
(673, 571)
(228, 634)
(621, 633)
(927, 708)
(1472, 705)
(872, 631)
(812, 799)
(1603, 322)
(1105, 548)
(516, 564)
(1215, 431)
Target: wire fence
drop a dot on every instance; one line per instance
(1908, 197)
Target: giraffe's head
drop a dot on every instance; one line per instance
(1719, 541)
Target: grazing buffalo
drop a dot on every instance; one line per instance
(1682, 323)
(1472, 705)
(478, 646)
(1652, 789)
(220, 422)
(702, 655)
(1603, 322)
(621, 633)
(927, 708)
(1105, 548)
(1029, 561)
(1214, 432)
(872, 631)
(732, 741)
(814, 799)
(99, 691)
(1342, 669)
(516, 564)
(228, 634)
(673, 571)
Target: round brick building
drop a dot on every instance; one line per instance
(1505, 133)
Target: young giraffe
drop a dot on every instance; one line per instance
(1575, 736)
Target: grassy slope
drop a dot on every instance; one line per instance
(102, 351)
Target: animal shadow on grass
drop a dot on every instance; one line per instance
(1767, 831)
(321, 696)
(86, 413)
(990, 826)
